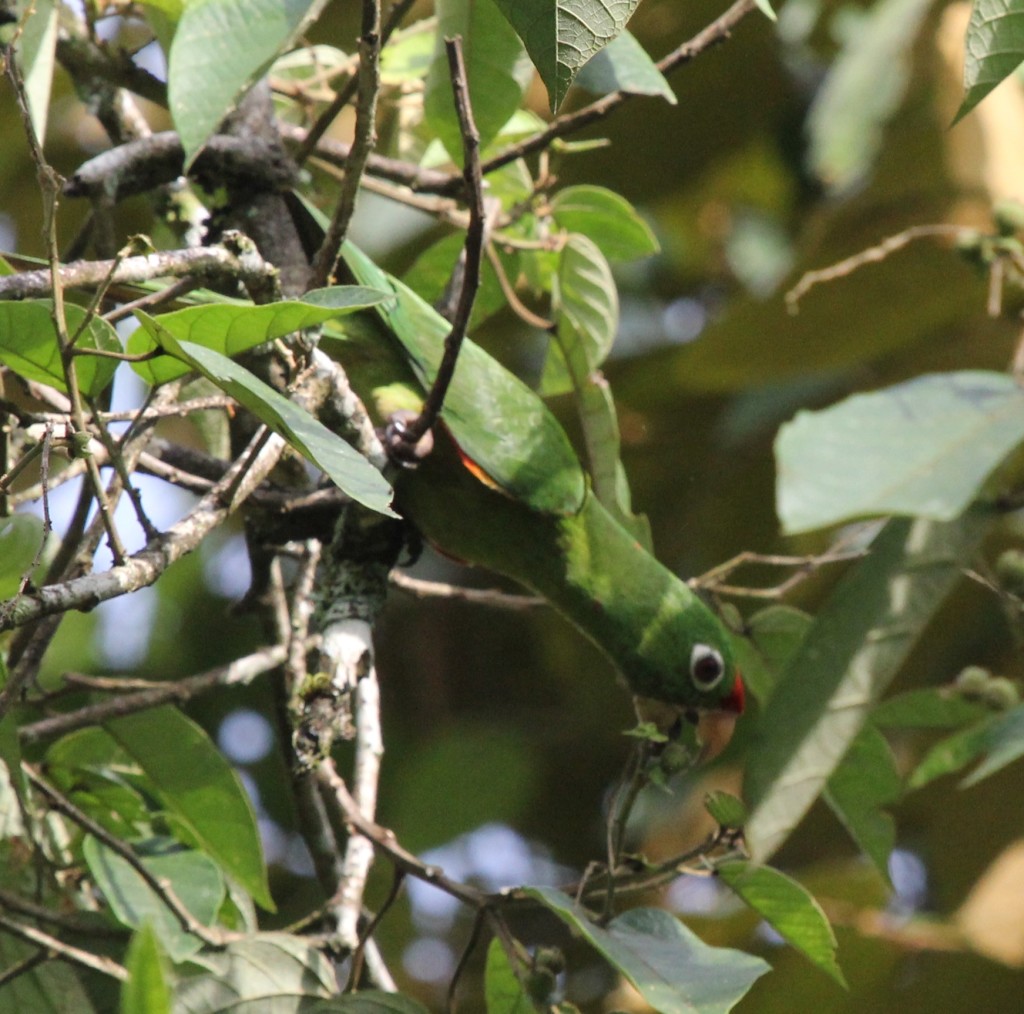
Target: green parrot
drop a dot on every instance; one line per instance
(504, 489)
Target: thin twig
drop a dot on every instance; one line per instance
(415, 430)
(59, 949)
(715, 580)
(421, 589)
(344, 95)
(872, 255)
(147, 694)
(362, 144)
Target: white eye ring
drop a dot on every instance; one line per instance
(707, 668)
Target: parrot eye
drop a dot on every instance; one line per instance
(706, 667)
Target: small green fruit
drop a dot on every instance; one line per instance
(1008, 216)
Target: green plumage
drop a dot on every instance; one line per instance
(538, 523)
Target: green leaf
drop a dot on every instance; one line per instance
(1004, 744)
(924, 447)
(624, 66)
(497, 70)
(953, 753)
(769, 640)
(367, 1001)
(503, 992)
(994, 49)
(497, 421)
(28, 345)
(561, 36)
(788, 907)
(54, 987)
(147, 990)
(193, 877)
(865, 782)
(765, 7)
(408, 54)
(201, 788)
(932, 708)
(348, 470)
(587, 307)
(862, 92)
(671, 967)
(20, 538)
(268, 971)
(859, 640)
(726, 809)
(36, 49)
(221, 47)
(232, 328)
(606, 219)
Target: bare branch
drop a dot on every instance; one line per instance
(472, 255)
(59, 949)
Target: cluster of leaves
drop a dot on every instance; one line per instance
(192, 834)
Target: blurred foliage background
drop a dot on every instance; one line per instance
(792, 146)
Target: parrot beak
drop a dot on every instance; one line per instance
(715, 728)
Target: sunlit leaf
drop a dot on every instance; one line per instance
(497, 70)
(994, 49)
(624, 66)
(221, 47)
(606, 219)
(205, 793)
(865, 782)
(671, 967)
(29, 346)
(193, 877)
(788, 907)
(232, 328)
(147, 990)
(924, 447)
(561, 36)
(347, 469)
(862, 635)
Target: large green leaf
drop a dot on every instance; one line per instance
(201, 789)
(232, 328)
(194, 878)
(624, 66)
(924, 447)
(147, 990)
(859, 640)
(347, 469)
(28, 345)
(928, 708)
(865, 782)
(53, 987)
(219, 48)
(863, 90)
(672, 968)
(788, 907)
(265, 972)
(605, 218)
(562, 35)
(497, 421)
(953, 753)
(497, 70)
(994, 48)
